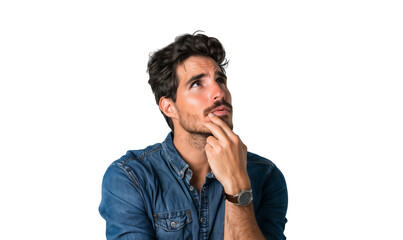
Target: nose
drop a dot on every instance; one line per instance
(217, 92)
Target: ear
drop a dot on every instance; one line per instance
(167, 106)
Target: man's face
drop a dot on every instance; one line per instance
(202, 89)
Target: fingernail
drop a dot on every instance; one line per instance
(210, 114)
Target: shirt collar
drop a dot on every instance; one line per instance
(176, 161)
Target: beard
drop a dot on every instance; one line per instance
(192, 123)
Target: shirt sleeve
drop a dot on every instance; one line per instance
(271, 214)
(123, 208)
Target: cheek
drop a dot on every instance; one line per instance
(228, 96)
(195, 98)
(193, 104)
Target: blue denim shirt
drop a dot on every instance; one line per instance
(146, 194)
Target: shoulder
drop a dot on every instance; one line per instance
(260, 169)
(253, 158)
(140, 158)
(260, 164)
(136, 165)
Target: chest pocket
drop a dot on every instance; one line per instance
(173, 225)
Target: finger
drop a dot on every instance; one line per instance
(218, 121)
(208, 148)
(213, 142)
(216, 131)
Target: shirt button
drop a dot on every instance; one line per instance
(201, 220)
(173, 224)
(204, 189)
(191, 188)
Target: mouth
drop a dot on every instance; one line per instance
(220, 111)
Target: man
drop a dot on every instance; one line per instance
(200, 183)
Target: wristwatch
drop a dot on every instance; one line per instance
(242, 198)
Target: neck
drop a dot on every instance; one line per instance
(191, 149)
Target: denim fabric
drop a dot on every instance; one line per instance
(146, 194)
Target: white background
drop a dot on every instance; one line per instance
(316, 85)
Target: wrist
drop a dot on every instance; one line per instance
(243, 198)
(237, 185)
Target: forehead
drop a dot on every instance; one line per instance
(196, 65)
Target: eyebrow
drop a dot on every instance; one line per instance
(194, 78)
(197, 77)
(221, 74)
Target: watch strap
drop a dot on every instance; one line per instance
(235, 198)
(231, 198)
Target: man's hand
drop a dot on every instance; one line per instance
(226, 155)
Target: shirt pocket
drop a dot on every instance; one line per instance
(173, 225)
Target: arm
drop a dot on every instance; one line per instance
(271, 214)
(240, 222)
(226, 155)
(123, 208)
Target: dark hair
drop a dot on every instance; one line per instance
(163, 63)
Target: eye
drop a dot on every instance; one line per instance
(195, 84)
(221, 80)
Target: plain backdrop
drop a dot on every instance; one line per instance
(316, 86)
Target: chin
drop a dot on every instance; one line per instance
(227, 119)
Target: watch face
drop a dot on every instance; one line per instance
(245, 198)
